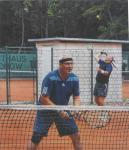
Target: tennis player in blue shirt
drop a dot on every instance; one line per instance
(57, 87)
(102, 78)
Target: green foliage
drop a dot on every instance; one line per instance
(94, 10)
(52, 8)
(27, 3)
(64, 18)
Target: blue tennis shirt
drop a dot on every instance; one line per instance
(60, 90)
(106, 67)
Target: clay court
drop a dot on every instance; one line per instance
(16, 125)
(16, 130)
(23, 90)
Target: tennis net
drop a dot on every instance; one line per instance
(100, 128)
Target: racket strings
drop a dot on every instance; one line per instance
(95, 119)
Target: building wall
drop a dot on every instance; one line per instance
(81, 54)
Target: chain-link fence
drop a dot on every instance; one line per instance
(125, 75)
(18, 74)
(85, 67)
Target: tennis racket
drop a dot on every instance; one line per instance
(114, 64)
(95, 119)
(98, 119)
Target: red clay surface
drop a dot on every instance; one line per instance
(16, 130)
(16, 126)
(22, 90)
(125, 90)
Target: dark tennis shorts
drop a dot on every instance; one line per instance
(101, 89)
(45, 118)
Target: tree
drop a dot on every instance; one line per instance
(21, 20)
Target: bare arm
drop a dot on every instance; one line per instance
(106, 73)
(45, 100)
(76, 101)
(97, 57)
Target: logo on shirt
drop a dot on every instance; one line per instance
(44, 90)
(63, 84)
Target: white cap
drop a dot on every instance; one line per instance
(65, 58)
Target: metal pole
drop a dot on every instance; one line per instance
(33, 68)
(7, 78)
(90, 47)
(92, 77)
(36, 76)
(51, 59)
(128, 19)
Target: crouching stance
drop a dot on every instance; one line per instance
(57, 87)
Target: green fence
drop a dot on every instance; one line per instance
(18, 72)
(17, 63)
(125, 65)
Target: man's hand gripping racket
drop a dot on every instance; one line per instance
(79, 115)
(64, 114)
